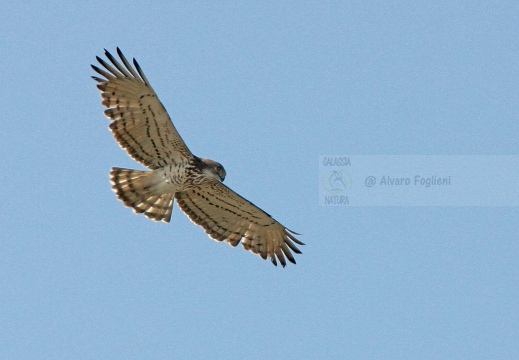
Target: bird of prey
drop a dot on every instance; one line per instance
(141, 126)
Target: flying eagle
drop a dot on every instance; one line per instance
(141, 126)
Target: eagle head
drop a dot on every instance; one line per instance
(213, 169)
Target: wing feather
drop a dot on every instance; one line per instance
(226, 216)
(140, 123)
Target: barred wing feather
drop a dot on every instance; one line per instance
(226, 216)
(140, 123)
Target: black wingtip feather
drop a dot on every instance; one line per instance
(292, 231)
(109, 56)
(293, 238)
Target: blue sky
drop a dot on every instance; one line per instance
(265, 88)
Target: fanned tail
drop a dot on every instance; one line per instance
(133, 189)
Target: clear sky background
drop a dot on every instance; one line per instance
(264, 88)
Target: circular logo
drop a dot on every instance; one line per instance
(336, 181)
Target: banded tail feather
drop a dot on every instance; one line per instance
(133, 188)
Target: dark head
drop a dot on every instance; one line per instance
(213, 169)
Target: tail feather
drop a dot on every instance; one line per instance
(133, 189)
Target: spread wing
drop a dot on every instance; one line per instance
(226, 216)
(140, 122)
